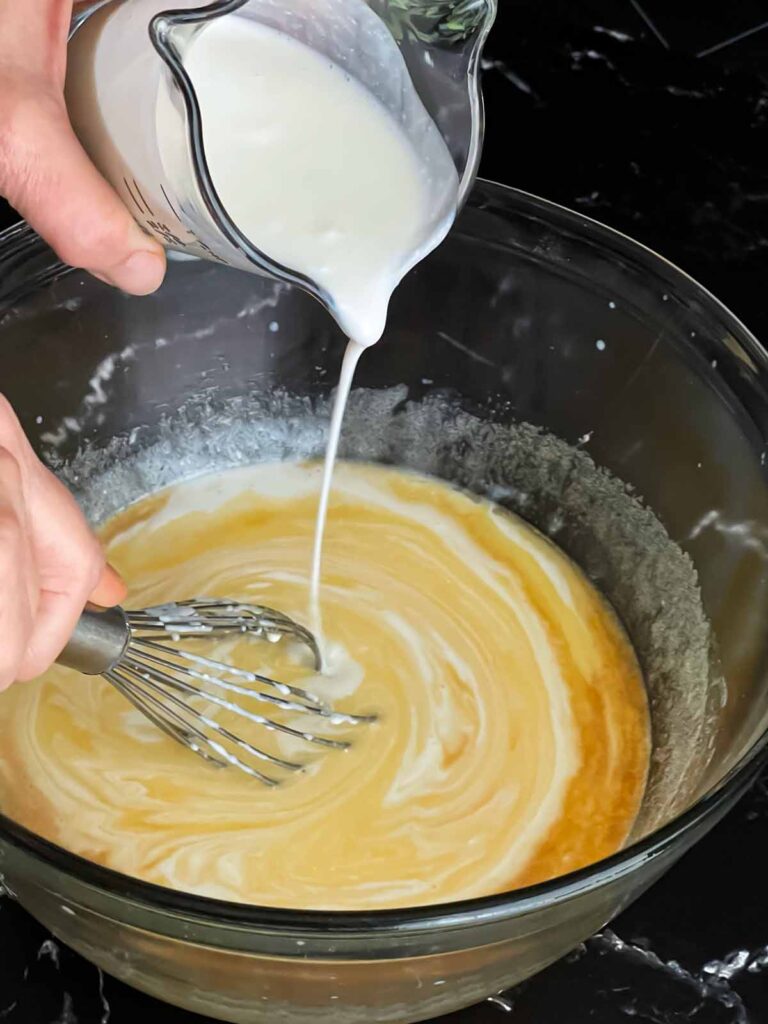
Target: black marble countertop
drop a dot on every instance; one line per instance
(650, 116)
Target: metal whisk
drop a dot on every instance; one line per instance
(138, 652)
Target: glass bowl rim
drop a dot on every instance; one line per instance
(486, 909)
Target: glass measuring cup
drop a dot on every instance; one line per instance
(419, 59)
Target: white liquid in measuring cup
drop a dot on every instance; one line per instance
(312, 168)
(321, 178)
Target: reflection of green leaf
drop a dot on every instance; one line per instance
(436, 21)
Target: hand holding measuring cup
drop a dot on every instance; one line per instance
(44, 172)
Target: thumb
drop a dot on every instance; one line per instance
(110, 590)
(47, 176)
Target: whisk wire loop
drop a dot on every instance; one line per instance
(181, 692)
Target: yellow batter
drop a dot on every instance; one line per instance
(512, 741)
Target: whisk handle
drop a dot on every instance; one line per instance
(98, 642)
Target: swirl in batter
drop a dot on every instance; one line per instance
(512, 740)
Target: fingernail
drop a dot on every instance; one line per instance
(140, 274)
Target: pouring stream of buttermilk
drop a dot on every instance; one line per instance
(355, 232)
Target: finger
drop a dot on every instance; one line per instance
(13, 501)
(35, 35)
(47, 176)
(15, 611)
(57, 614)
(13, 438)
(111, 589)
(70, 564)
(15, 615)
(56, 618)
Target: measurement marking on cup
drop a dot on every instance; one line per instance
(170, 204)
(133, 197)
(162, 229)
(150, 211)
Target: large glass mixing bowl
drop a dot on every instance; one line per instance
(538, 358)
